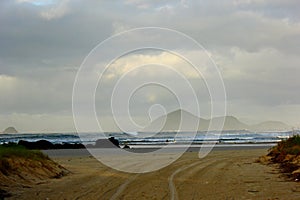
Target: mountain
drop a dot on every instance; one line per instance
(171, 121)
(10, 130)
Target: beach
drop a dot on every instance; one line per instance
(222, 174)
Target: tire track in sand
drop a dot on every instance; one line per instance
(201, 180)
(129, 181)
(172, 188)
(123, 186)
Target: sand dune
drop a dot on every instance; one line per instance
(221, 175)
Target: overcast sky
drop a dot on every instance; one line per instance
(255, 44)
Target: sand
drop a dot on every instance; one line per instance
(227, 174)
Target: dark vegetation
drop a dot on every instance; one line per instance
(287, 154)
(290, 146)
(4, 194)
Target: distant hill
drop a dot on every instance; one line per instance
(231, 123)
(269, 126)
(10, 130)
(172, 121)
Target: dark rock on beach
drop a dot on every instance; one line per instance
(105, 143)
(41, 144)
(114, 141)
(45, 144)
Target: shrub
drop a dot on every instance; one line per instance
(289, 146)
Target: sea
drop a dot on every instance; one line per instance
(144, 140)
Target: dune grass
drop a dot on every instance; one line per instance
(14, 151)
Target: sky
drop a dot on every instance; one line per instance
(254, 43)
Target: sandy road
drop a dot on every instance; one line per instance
(235, 176)
(220, 175)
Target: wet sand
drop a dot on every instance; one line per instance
(223, 174)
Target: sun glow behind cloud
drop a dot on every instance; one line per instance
(49, 9)
(38, 2)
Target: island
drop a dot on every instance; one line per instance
(10, 130)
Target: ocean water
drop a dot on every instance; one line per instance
(163, 138)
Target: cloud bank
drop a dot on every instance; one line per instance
(255, 44)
